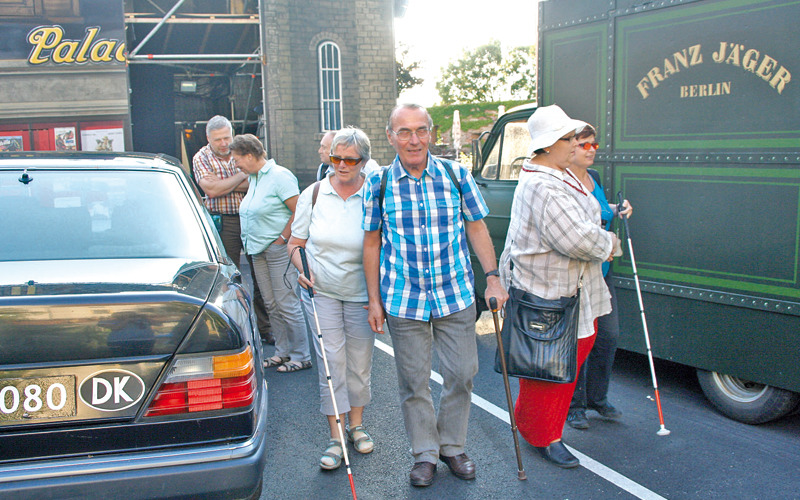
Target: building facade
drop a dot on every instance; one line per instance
(146, 75)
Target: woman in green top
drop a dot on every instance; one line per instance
(266, 214)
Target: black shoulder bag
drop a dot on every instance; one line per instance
(540, 336)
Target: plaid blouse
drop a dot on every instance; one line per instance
(425, 263)
(204, 163)
(554, 235)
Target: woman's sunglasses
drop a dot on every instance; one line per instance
(347, 161)
(589, 145)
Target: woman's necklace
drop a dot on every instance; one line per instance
(578, 187)
(586, 180)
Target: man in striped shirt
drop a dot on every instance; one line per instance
(419, 278)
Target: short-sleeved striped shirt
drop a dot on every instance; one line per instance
(425, 263)
(204, 163)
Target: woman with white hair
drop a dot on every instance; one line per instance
(554, 242)
(328, 225)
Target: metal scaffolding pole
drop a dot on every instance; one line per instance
(264, 101)
(156, 28)
(258, 56)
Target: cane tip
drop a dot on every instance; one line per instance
(521, 475)
(663, 432)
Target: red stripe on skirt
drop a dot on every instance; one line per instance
(541, 408)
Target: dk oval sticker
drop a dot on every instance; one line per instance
(111, 390)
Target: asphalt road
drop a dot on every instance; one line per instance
(706, 456)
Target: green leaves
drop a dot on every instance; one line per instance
(485, 75)
(405, 80)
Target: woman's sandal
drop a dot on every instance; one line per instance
(293, 366)
(361, 439)
(332, 456)
(275, 361)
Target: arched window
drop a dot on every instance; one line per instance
(330, 86)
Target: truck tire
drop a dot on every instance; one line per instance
(745, 401)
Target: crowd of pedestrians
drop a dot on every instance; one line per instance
(388, 248)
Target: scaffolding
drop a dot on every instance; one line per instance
(168, 25)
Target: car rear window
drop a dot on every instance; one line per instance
(94, 214)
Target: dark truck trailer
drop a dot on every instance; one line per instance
(698, 118)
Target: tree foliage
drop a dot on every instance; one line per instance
(476, 77)
(520, 67)
(405, 78)
(484, 75)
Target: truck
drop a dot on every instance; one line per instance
(698, 117)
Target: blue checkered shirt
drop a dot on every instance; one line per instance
(425, 264)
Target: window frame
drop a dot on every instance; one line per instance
(329, 66)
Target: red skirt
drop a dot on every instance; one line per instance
(542, 407)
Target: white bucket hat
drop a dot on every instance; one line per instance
(547, 125)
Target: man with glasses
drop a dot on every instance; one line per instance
(419, 213)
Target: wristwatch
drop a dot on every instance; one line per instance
(493, 273)
(283, 238)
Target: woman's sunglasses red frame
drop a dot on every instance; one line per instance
(347, 161)
(589, 145)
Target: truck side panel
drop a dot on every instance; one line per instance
(699, 124)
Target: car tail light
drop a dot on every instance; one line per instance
(206, 383)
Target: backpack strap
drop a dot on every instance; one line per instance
(447, 166)
(596, 176)
(314, 195)
(382, 194)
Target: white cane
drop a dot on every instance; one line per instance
(327, 371)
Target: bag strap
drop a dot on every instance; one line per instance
(314, 195)
(595, 175)
(448, 168)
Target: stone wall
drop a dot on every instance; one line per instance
(363, 31)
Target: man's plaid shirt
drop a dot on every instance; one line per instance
(425, 264)
(204, 163)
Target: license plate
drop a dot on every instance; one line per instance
(28, 399)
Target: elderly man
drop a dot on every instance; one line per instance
(325, 155)
(225, 186)
(419, 213)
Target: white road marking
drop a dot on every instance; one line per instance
(587, 462)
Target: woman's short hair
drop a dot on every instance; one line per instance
(587, 131)
(353, 136)
(248, 144)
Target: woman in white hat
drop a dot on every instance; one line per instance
(554, 241)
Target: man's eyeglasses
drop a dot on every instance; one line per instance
(586, 146)
(347, 161)
(404, 134)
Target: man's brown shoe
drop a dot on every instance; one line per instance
(461, 465)
(422, 474)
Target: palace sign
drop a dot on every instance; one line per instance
(49, 45)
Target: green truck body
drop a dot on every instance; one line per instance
(698, 117)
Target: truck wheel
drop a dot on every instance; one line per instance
(745, 401)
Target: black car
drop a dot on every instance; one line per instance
(129, 360)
